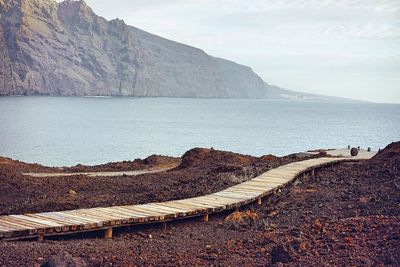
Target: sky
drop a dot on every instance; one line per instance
(347, 48)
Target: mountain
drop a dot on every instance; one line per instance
(50, 48)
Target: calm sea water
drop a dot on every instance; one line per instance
(61, 131)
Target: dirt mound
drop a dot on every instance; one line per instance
(15, 166)
(389, 153)
(137, 164)
(198, 156)
(268, 158)
(11, 166)
(161, 160)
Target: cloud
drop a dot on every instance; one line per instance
(282, 38)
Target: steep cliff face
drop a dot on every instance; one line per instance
(64, 48)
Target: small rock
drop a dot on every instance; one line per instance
(141, 234)
(150, 236)
(279, 254)
(273, 213)
(318, 225)
(72, 192)
(303, 246)
(323, 154)
(354, 151)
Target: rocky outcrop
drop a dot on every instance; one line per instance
(51, 48)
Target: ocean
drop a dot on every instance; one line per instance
(65, 131)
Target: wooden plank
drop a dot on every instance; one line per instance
(99, 218)
(114, 215)
(74, 217)
(269, 177)
(263, 187)
(161, 213)
(208, 201)
(190, 208)
(5, 228)
(59, 219)
(255, 185)
(31, 217)
(13, 226)
(230, 199)
(283, 173)
(228, 195)
(256, 188)
(194, 203)
(169, 209)
(50, 219)
(277, 183)
(223, 200)
(66, 219)
(152, 215)
(275, 177)
(143, 211)
(178, 211)
(134, 213)
(201, 207)
(264, 183)
(205, 200)
(23, 223)
(237, 194)
(92, 213)
(244, 192)
(126, 213)
(251, 194)
(142, 216)
(211, 207)
(156, 210)
(68, 225)
(125, 216)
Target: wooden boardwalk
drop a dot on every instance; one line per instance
(39, 225)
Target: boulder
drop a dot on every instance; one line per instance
(64, 260)
(280, 254)
(354, 151)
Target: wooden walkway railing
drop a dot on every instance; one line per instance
(67, 222)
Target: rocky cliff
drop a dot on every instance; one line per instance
(52, 48)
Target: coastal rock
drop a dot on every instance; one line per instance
(354, 151)
(390, 153)
(50, 48)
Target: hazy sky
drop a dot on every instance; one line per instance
(347, 48)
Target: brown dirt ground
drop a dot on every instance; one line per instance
(201, 171)
(346, 216)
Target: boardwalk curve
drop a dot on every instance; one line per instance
(67, 222)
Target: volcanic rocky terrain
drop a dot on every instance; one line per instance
(348, 215)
